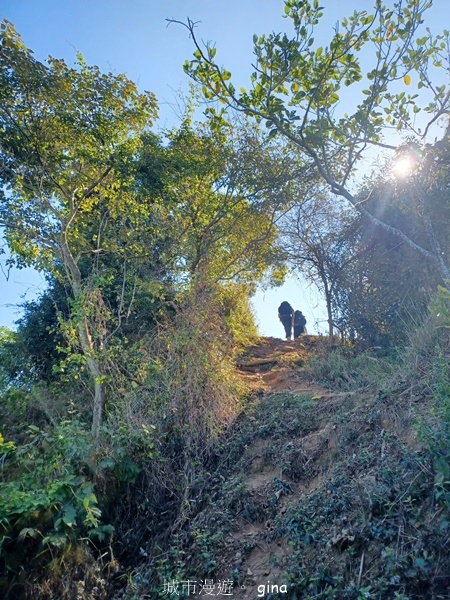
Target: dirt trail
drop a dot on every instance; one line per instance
(274, 368)
(305, 437)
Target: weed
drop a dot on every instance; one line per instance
(343, 368)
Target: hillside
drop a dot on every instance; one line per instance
(315, 492)
(331, 481)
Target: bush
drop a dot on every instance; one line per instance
(47, 505)
(187, 395)
(346, 368)
(429, 358)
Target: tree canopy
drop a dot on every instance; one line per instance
(297, 86)
(120, 219)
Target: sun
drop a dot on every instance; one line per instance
(402, 167)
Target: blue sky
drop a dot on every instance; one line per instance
(133, 37)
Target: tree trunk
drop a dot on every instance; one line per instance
(86, 343)
(98, 413)
(95, 371)
(329, 310)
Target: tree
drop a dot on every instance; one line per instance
(68, 137)
(38, 340)
(298, 87)
(317, 239)
(220, 198)
(224, 224)
(388, 285)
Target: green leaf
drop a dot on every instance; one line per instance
(69, 515)
(27, 532)
(333, 98)
(420, 563)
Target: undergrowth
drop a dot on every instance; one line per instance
(376, 522)
(359, 488)
(344, 367)
(78, 513)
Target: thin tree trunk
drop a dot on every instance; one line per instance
(330, 318)
(329, 310)
(86, 343)
(98, 413)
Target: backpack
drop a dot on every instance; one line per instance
(299, 319)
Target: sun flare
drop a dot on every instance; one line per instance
(403, 167)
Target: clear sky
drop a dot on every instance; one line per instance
(133, 37)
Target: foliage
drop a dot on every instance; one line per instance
(237, 315)
(347, 367)
(48, 501)
(119, 219)
(432, 348)
(6, 340)
(68, 141)
(297, 88)
(83, 127)
(383, 292)
(216, 218)
(192, 393)
(184, 394)
(32, 351)
(376, 288)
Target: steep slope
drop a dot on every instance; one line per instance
(313, 492)
(326, 493)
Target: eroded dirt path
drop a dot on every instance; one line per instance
(306, 437)
(273, 369)
(274, 365)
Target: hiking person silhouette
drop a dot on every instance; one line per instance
(286, 316)
(299, 324)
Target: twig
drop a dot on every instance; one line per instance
(361, 566)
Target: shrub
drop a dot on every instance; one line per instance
(47, 504)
